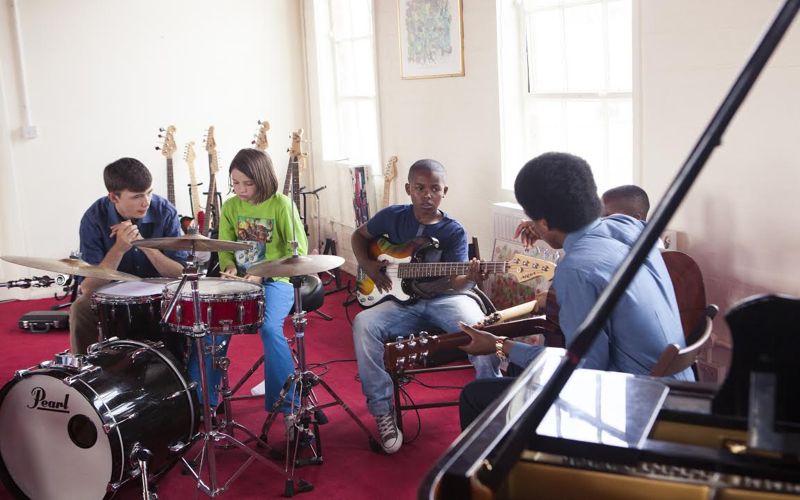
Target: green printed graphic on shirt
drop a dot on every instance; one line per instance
(257, 232)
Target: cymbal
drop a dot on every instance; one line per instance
(295, 266)
(196, 242)
(75, 267)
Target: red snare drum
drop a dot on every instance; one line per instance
(227, 307)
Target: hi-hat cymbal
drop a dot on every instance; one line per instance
(295, 266)
(196, 242)
(76, 267)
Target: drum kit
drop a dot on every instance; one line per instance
(131, 388)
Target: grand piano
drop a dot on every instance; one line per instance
(563, 432)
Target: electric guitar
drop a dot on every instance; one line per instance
(293, 172)
(197, 214)
(292, 181)
(405, 266)
(211, 215)
(168, 148)
(389, 174)
(260, 141)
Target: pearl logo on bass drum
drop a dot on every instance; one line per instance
(40, 402)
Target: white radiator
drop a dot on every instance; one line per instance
(505, 219)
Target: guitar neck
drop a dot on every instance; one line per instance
(210, 199)
(413, 270)
(386, 188)
(287, 182)
(170, 182)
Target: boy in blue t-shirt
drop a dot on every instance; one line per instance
(443, 307)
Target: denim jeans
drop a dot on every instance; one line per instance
(278, 363)
(389, 320)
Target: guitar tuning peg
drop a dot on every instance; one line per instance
(161, 129)
(158, 148)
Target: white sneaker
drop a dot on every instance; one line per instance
(258, 389)
(288, 422)
(390, 434)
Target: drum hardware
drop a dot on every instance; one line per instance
(210, 436)
(59, 427)
(73, 266)
(140, 456)
(308, 413)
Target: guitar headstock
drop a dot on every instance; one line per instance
(525, 267)
(412, 352)
(390, 170)
(168, 145)
(261, 142)
(211, 148)
(295, 149)
(189, 154)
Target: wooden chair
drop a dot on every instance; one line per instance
(674, 359)
(690, 291)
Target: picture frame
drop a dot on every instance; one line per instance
(431, 36)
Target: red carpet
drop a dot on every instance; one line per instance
(350, 469)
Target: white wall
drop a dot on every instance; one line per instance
(104, 75)
(453, 120)
(739, 217)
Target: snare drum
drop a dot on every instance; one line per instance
(227, 307)
(68, 427)
(130, 309)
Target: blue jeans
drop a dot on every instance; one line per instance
(389, 320)
(278, 363)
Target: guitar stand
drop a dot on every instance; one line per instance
(308, 414)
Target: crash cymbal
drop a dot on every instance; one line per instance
(76, 267)
(196, 242)
(295, 266)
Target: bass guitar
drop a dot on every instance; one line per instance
(168, 148)
(211, 216)
(197, 213)
(292, 181)
(260, 141)
(405, 265)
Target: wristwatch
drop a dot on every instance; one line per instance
(498, 345)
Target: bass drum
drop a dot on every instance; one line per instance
(68, 427)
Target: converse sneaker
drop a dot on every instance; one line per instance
(391, 436)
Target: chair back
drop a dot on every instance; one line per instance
(690, 291)
(674, 359)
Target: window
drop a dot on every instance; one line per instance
(575, 86)
(345, 48)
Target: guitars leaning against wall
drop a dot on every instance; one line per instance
(405, 266)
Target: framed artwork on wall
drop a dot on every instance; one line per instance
(431, 38)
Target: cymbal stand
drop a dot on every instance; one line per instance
(210, 436)
(308, 413)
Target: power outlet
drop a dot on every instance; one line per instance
(30, 132)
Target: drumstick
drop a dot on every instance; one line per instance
(231, 275)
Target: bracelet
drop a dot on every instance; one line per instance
(498, 345)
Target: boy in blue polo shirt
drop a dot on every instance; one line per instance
(129, 212)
